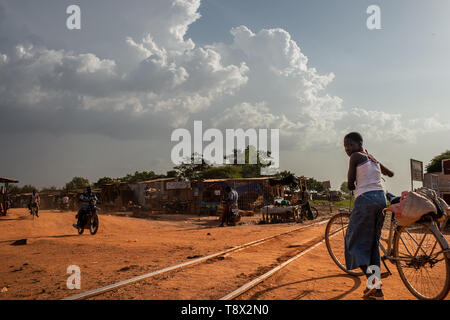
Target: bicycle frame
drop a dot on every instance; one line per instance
(387, 252)
(393, 228)
(407, 247)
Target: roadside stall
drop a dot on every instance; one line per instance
(4, 199)
(288, 207)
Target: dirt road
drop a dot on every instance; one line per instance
(125, 247)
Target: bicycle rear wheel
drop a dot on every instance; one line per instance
(315, 212)
(422, 260)
(335, 241)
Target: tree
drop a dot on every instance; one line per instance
(188, 170)
(141, 176)
(77, 183)
(283, 174)
(13, 189)
(435, 164)
(28, 188)
(102, 181)
(222, 172)
(344, 187)
(251, 170)
(314, 185)
(46, 189)
(171, 174)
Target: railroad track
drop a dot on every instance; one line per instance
(252, 284)
(249, 285)
(224, 253)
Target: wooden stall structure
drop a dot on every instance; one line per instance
(288, 206)
(157, 197)
(253, 193)
(4, 198)
(439, 182)
(50, 200)
(117, 196)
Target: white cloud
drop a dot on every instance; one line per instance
(261, 79)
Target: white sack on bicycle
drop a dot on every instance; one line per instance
(407, 217)
(416, 205)
(432, 195)
(421, 202)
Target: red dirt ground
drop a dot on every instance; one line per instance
(125, 247)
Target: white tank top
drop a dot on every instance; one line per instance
(368, 177)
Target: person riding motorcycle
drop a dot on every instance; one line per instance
(85, 199)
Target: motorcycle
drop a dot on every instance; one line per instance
(90, 219)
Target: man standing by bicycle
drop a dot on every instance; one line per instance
(306, 206)
(366, 219)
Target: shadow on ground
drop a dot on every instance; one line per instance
(304, 293)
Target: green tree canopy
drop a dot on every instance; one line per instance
(14, 189)
(171, 174)
(435, 164)
(283, 174)
(102, 181)
(344, 187)
(222, 172)
(28, 188)
(52, 188)
(141, 176)
(188, 170)
(314, 185)
(77, 183)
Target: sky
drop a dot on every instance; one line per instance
(104, 100)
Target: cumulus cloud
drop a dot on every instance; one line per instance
(284, 92)
(261, 79)
(170, 80)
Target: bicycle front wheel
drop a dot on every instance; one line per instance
(335, 241)
(422, 259)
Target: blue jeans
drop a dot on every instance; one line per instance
(364, 230)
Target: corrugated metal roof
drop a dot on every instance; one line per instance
(237, 179)
(9, 180)
(156, 180)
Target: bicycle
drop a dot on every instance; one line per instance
(411, 249)
(302, 213)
